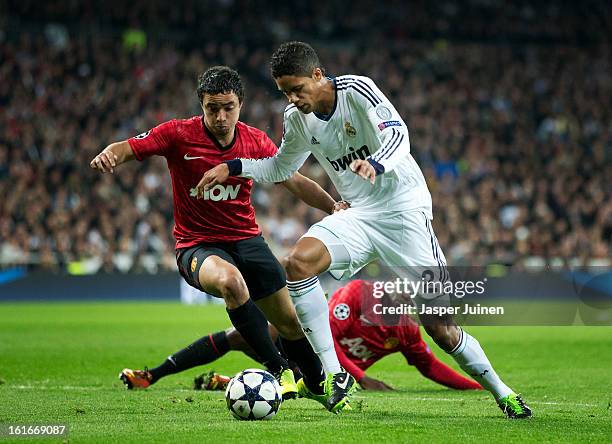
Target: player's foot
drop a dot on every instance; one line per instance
(514, 407)
(305, 392)
(287, 383)
(338, 388)
(136, 379)
(211, 381)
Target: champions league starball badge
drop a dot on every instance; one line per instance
(342, 312)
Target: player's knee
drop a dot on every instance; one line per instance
(233, 289)
(297, 265)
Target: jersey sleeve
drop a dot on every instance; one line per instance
(156, 141)
(419, 355)
(290, 156)
(386, 121)
(267, 147)
(417, 352)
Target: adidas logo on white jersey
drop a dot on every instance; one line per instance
(314, 141)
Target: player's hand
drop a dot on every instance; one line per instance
(106, 162)
(368, 383)
(341, 205)
(364, 169)
(215, 176)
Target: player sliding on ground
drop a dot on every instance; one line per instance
(361, 141)
(360, 338)
(219, 247)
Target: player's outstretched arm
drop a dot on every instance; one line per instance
(368, 383)
(112, 156)
(365, 382)
(278, 168)
(432, 368)
(312, 194)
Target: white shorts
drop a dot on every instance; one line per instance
(404, 241)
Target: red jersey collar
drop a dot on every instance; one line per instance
(214, 139)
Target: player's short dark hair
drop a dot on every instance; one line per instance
(294, 59)
(219, 80)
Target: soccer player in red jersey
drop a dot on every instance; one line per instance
(360, 340)
(219, 247)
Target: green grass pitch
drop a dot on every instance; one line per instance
(59, 364)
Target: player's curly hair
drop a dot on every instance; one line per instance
(294, 59)
(219, 80)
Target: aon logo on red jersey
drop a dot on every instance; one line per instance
(219, 192)
(357, 348)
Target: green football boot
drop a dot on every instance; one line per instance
(338, 389)
(289, 388)
(305, 392)
(514, 407)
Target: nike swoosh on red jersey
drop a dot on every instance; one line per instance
(188, 157)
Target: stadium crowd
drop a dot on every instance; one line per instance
(513, 134)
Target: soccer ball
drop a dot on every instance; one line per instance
(253, 394)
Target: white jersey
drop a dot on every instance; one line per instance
(362, 125)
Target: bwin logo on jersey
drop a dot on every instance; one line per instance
(342, 163)
(218, 192)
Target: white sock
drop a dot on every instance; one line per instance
(472, 359)
(312, 311)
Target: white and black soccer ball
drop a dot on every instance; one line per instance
(253, 394)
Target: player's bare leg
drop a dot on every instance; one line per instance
(443, 330)
(281, 313)
(222, 279)
(470, 356)
(309, 258)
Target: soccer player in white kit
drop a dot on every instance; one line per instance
(355, 133)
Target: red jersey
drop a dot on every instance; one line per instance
(225, 214)
(359, 341)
